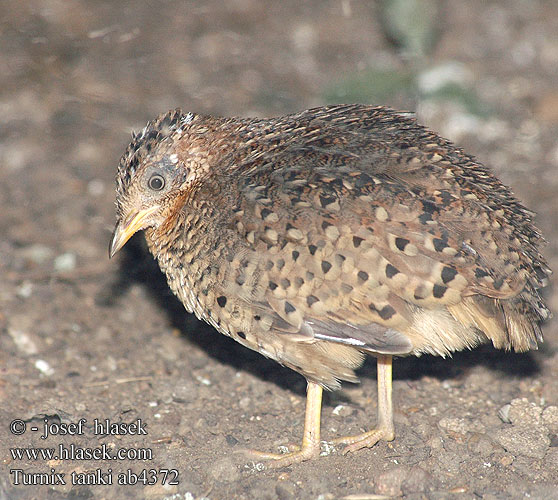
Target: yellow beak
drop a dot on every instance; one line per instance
(125, 230)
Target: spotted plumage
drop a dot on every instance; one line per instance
(317, 237)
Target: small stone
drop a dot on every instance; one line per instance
(504, 414)
(224, 470)
(550, 418)
(457, 425)
(65, 262)
(481, 444)
(342, 411)
(506, 460)
(37, 254)
(23, 341)
(245, 403)
(436, 443)
(326, 448)
(522, 440)
(44, 367)
(96, 187)
(231, 440)
(185, 391)
(25, 290)
(286, 490)
(417, 481)
(522, 412)
(202, 380)
(390, 481)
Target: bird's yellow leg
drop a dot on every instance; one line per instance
(310, 440)
(385, 429)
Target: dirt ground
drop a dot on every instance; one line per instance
(82, 337)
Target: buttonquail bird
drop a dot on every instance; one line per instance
(318, 237)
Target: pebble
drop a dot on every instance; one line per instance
(96, 187)
(37, 254)
(504, 414)
(65, 262)
(224, 470)
(342, 411)
(436, 443)
(245, 403)
(390, 481)
(481, 444)
(522, 412)
(459, 425)
(522, 440)
(550, 418)
(506, 460)
(231, 440)
(23, 341)
(417, 481)
(44, 367)
(185, 391)
(202, 380)
(286, 490)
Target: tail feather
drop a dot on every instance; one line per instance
(508, 323)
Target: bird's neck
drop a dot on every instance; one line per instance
(181, 245)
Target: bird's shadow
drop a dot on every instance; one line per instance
(137, 266)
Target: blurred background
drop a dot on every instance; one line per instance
(77, 76)
(82, 336)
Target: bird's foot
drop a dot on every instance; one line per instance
(364, 440)
(292, 455)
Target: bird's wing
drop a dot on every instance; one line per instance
(357, 245)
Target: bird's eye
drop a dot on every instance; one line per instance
(156, 182)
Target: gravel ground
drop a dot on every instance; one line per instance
(83, 337)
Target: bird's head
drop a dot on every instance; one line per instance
(152, 172)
